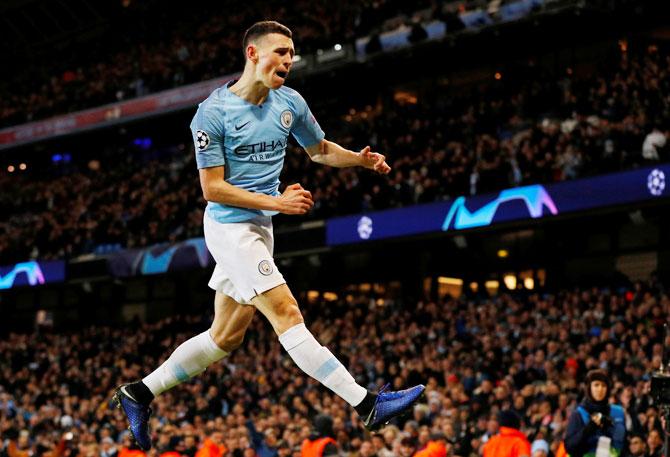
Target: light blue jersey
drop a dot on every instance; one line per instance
(250, 141)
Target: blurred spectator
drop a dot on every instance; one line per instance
(367, 450)
(259, 441)
(417, 32)
(407, 447)
(655, 443)
(108, 447)
(636, 446)
(321, 442)
(380, 446)
(436, 447)
(212, 446)
(510, 441)
(283, 448)
(654, 142)
(539, 448)
(596, 427)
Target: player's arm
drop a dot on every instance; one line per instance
(332, 154)
(294, 200)
(309, 135)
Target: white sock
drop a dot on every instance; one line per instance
(318, 362)
(189, 359)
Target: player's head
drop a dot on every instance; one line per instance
(268, 49)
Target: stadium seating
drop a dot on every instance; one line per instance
(441, 147)
(476, 355)
(563, 301)
(195, 47)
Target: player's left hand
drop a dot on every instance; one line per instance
(374, 161)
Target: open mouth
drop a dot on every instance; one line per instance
(282, 74)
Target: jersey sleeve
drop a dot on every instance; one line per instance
(208, 134)
(306, 130)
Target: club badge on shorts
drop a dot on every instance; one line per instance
(265, 268)
(286, 118)
(201, 140)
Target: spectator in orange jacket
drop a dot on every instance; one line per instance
(212, 446)
(436, 447)
(320, 443)
(129, 448)
(125, 452)
(510, 440)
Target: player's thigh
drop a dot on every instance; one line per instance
(231, 320)
(243, 254)
(280, 308)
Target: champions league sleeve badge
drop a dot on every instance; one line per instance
(201, 140)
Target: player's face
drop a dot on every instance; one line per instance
(275, 57)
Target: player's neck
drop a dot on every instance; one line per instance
(250, 89)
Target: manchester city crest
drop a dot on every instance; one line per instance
(265, 268)
(286, 118)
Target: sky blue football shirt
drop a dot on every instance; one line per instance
(250, 141)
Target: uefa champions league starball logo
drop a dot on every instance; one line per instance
(364, 227)
(201, 140)
(656, 182)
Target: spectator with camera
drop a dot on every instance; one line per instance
(596, 428)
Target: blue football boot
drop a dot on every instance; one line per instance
(138, 417)
(391, 404)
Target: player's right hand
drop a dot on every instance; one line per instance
(295, 200)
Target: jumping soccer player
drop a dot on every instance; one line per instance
(240, 134)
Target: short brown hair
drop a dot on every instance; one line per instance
(262, 28)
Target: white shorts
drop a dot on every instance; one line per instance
(243, 254)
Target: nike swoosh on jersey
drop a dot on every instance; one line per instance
(238, 127)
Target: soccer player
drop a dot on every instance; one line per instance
(240, 132)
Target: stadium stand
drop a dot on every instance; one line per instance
(526, 352)
(65, 345)
(198, 47)
(507, 135)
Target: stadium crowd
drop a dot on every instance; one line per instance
(478, 355)
(194, 48)
(439, 147)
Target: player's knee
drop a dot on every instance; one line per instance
(228, 341)
(289, 314)
(230, 344)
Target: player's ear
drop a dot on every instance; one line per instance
(252, 52)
